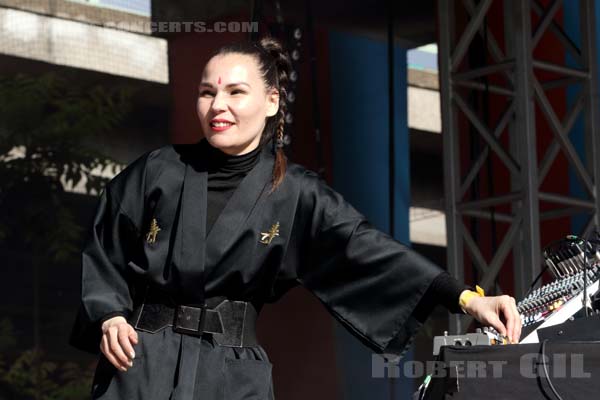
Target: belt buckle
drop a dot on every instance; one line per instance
(190, 319)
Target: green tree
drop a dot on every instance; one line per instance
(32, 376)
(48, 131)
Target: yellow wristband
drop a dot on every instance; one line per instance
(468, 295)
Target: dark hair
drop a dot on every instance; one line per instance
(274, 65)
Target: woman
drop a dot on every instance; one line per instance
(190, 241)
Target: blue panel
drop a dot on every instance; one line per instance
(359, 96)
(577, 135)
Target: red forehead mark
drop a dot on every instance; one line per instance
(219, 81)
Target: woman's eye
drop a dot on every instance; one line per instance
(237, 91)
(205, 93)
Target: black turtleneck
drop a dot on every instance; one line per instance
(225, 172)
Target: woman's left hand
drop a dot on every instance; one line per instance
(499, 312)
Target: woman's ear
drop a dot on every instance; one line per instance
(272, 102)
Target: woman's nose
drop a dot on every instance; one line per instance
(218, 103)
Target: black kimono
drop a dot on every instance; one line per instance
(367, 280)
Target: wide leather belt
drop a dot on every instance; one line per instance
(230, 323)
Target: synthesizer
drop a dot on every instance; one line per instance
(560, 300)
(574, 264)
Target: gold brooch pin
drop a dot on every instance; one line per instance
(266, 237)
(154, 229)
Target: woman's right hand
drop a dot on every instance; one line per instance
(118, 338)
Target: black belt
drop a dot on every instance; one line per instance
(231, 323)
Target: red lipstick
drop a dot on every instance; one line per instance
(219, 124)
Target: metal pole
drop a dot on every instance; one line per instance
(525, 129)
(592, 121)
(450, 141)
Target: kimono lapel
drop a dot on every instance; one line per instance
(229, 224)
(193, 223)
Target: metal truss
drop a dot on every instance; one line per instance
(511, 73)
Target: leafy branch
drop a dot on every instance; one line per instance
(48, 131)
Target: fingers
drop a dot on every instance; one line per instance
(495, 322)
(512, 317)
(509, 318)
(518, 322)
(105, 348)
(493, 311)
(133, 336)
(116, 345)
(125, 342)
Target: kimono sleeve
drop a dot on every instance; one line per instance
(367, 280)
(112, 239)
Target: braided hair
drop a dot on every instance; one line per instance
(275, 66)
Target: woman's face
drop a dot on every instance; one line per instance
(233, 103)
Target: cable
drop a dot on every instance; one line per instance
(316, 106)
(391, 146)
(586, 243)
(391, 115)
(587, 246)
(255, 16)
(537, 278)
(546, 371)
